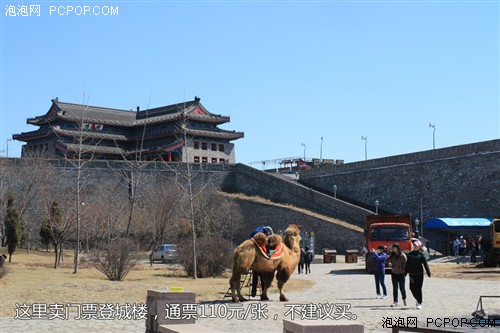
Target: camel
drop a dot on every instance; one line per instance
(247, 256)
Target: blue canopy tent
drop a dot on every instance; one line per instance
(452, 223)
(444, 228)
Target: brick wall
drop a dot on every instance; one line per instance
(460, 181)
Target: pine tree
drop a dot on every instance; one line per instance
(46, 234)
(13, 228)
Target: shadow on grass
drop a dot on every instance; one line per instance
(480, 272)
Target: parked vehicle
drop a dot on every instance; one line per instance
(164, 253)
(386, 230)
(492, 257)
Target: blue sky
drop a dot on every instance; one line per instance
(286, 72)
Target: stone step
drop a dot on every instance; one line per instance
(322, 326)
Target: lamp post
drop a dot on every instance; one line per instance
(366, 146)
(321, 152)
(376, 206)
(335, 191)
(7, 147)
(422, 215)
(433, 126)
(304, 145)
(417, 223)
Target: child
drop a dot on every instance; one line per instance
(379, 257)
(397, 260)
(415, 268)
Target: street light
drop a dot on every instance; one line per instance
(433, 126)
(304, 145)
(321, 152)
(376, 206)
(7, 148)
(335, 191)
(366, 144)
(417, 223)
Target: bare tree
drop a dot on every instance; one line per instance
(113, 254)
(105, 215)
(29, 177)
(60, 215)
(160, 204)
(59, 224)
(78, 156)
(185, 183)
(132, 173)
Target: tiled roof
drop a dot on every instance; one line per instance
(95, 114)
(120, 117)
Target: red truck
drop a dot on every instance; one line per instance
(386, 230)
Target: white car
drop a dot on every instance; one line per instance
(164, 253)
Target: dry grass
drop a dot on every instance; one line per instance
(466, 271)
(32, 279)
(264, 201)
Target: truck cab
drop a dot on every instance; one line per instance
(492, 256)
(386, 230)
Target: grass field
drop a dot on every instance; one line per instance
(32, 279)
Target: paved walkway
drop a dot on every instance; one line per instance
(334, 283)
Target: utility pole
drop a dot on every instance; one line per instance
(304, 145)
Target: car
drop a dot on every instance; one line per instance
(164, 253)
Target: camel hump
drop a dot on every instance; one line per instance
(260, 238)
(274, 240)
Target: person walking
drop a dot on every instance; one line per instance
(268, 231)
(309, 257)
(397, 261)
(473, 250)
(463, 246)
(415, 265)
(456, 246)
(302, 259)
(379, 257)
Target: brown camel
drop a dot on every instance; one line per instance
(247, 256)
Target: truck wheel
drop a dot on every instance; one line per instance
(489, 259)
(368, 264)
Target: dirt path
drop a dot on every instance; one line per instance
(334, 283)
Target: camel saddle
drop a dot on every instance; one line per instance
(277, 253)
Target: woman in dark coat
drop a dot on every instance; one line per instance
(415, 265)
